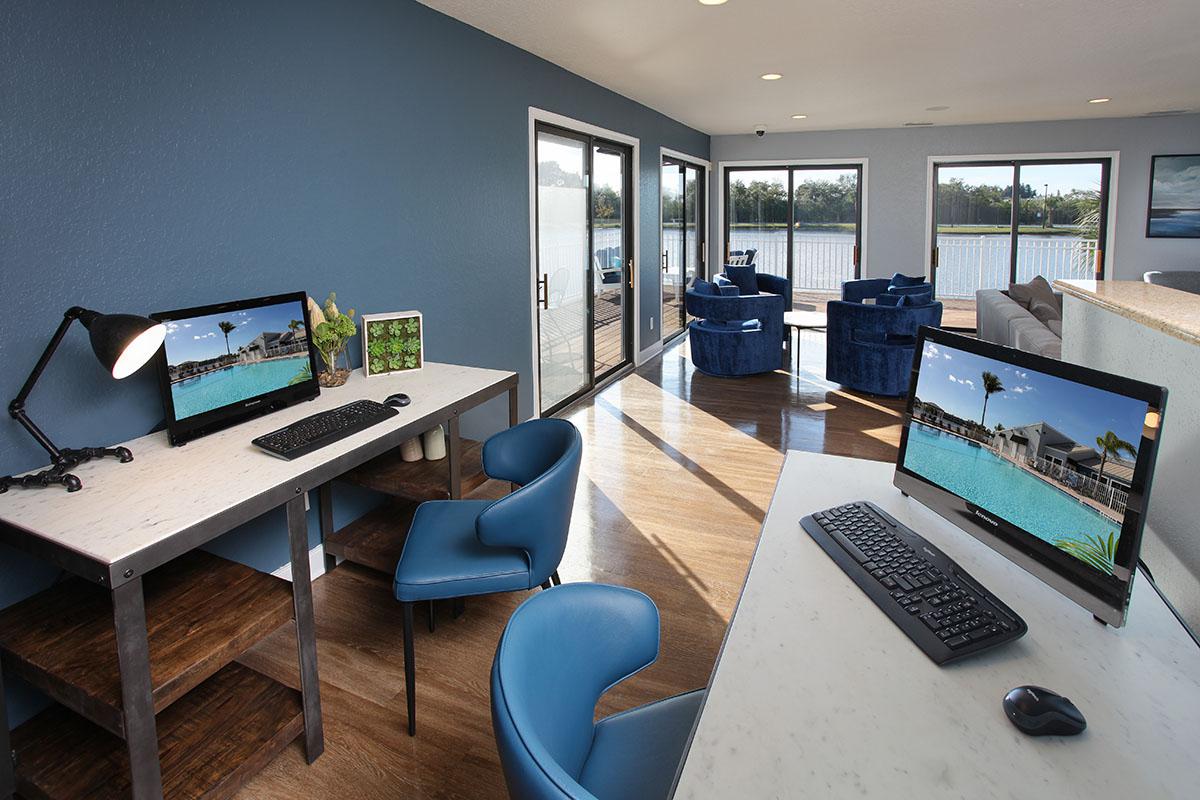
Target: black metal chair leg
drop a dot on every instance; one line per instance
(546, 584)
(432, 620)
(410, 674)
(555, 579)
(460, 605)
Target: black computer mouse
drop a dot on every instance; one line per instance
(1041, 712)
(397, 400)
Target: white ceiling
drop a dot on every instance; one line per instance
(864, 63)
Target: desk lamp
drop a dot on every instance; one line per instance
(122, 343)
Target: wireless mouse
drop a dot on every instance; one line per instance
(397, 400)
(1041, 712)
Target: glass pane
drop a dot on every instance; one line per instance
(758, 217)
(562, 234)
(825, 234)
(608, 258)
(691, 252)
(974, 225)
(1059, 232)
(673, 247)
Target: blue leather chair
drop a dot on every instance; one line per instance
(562, 649)
(870, 347)
(460, 548)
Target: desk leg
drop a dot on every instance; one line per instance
(306, 635)
(325, 513)
(455, 458)
(8, 783)
(137, 704)
(512, 421)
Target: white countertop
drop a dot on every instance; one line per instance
(123, 508)
(817, 694)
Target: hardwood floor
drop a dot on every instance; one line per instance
(678, 472)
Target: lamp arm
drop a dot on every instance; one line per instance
(16, 408)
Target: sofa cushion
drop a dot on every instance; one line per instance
(902, 280)
(1037, 289)
(743, 278)
(1055, 326)
(1044, 312)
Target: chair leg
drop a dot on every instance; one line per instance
(460, 606)
(410, 674)
(546, 584)
(557, 581)
(432, 620)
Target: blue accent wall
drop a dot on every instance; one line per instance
(159, 155)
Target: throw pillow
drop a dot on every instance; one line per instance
(701, 286)
(916, 299)
(889, 299)
(920, 288)
(742, 277)
(1037, 289)
(1045, 312)
(905, 280)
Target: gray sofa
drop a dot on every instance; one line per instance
(1002, 320)
(1185, 280)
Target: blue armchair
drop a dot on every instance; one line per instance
(734, 335)
(870, 347)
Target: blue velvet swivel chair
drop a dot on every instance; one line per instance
(870, 347)
(562, 649)
(460, 548)
(738, 328)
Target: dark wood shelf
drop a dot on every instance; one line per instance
(376, 539)
(202, 612)
(419, 480)
(210, 742)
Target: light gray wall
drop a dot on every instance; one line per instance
(897, 189)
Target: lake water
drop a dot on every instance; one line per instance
(985, 479)
(215, 389)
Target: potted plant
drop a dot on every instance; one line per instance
(332, 331)
(393, 342)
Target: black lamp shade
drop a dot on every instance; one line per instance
(123, 342)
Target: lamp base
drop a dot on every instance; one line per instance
(58, 474)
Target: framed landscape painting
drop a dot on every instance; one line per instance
(1174, 197)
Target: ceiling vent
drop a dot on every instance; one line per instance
(917, 124)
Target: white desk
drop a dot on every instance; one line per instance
(817, 694)
(131, 518)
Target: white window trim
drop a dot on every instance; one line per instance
(718, 255)
(706, 165)
(1109, 240)
(537, 115)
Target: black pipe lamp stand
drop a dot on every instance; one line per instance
(122, 343)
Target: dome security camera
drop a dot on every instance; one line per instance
(760, 131)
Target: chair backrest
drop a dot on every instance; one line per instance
(542, 456)
(560, 651)
(1186, 280)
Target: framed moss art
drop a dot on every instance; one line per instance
(393, 342)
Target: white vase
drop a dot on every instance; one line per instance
(434, 441)
(410, 450)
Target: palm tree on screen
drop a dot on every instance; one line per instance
(1112, 445)
(227, 328)
(991, 385)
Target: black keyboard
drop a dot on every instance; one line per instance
(327, 427)
(939, 606)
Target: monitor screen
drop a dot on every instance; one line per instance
(241, 356)
(1047, 459)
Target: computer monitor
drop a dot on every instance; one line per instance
(224, 363)
(1047, 462)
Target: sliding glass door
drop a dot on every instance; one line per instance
(995, 223)
(682, 238)
(584, 262)
(803, 222)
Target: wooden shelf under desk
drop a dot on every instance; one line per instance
(376, 539)
(419, 480)
(210, 742)
(202, 611)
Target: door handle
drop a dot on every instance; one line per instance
(629, 269)
(1099, 264)
(665, 267)
(544, 286)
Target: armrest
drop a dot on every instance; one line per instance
(859, 290)
(725, 309)
(776, 284)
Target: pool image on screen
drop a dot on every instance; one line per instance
(1050, 456)
(224, 358)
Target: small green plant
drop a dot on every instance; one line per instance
(332, 331)
(393, 345)
(1094, 550)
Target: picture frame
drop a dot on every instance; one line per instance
(1173, 210)
(388, 342)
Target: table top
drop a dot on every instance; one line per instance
(816, 691)
(805, 319)
(123, 509)
(1168, 310)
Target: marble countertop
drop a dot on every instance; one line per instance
(1168, 310)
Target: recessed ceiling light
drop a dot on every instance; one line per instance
(1100, 100)
(771, 76)
(713, 2)
(799, 116)
(938, 108)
